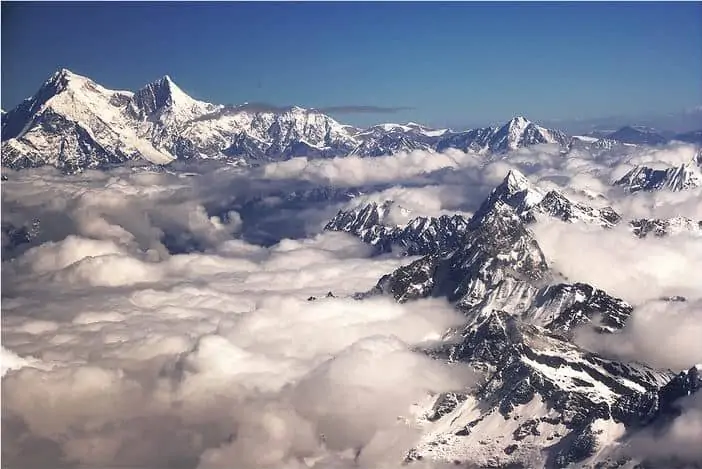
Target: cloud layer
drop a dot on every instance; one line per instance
(119, 351)
(142, 327)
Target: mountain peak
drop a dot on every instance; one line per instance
(514, 128)
(59, 74)
(518, 121)
(164, 93)
(59, 81)
(165, 82)
(168, 82)
(516, 181)
(63, 73)
(515, 191)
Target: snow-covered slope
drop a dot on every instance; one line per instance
(294, 132)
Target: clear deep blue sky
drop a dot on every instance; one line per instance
(452, 63)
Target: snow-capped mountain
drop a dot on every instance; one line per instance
(544, 401)
(497, 264)
(559, 206)
(497, 261)
(518, 132)
(644, 178)
(530, 201)
(73, 123)
(284, 135)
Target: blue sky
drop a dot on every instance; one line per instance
(451, 63)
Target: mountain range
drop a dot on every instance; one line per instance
(73, 123)
(528, 201)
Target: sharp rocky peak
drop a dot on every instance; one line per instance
(516, 181)
(165, 82)
(496, 256)
(516, 191)
(159, 95)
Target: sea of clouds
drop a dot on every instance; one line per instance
(162, 318)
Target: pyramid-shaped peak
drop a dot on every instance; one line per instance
(165, 82)
(161, 94)
(515, 179)
(515, 192)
